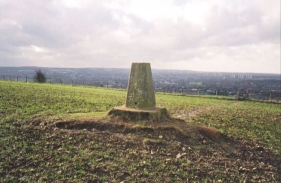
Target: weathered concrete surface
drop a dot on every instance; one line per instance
(140, 100)
(155, 114)
(140, 92)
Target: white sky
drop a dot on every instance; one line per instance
(202, 35)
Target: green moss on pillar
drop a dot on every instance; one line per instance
(140, 100)
(140, 93)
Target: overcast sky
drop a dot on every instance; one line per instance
(201, 35)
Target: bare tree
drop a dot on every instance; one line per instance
(39, 77)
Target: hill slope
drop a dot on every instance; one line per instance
(54, 132)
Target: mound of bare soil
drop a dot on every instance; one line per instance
(170, 150)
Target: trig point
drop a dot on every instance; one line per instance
(140, 100)
(140, 93)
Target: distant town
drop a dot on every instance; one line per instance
(261, 86)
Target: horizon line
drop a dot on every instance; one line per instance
(151, 68)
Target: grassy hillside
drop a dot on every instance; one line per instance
(53, 132)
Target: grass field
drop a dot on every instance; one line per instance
(62, 133)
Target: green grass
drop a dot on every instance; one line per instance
(249, 120)
(31, 153)
(25, 100)
(195, 83)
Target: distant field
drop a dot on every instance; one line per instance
(35, 148)
(195, 83)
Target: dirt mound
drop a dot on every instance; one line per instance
(170, 129)
(178, 150)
